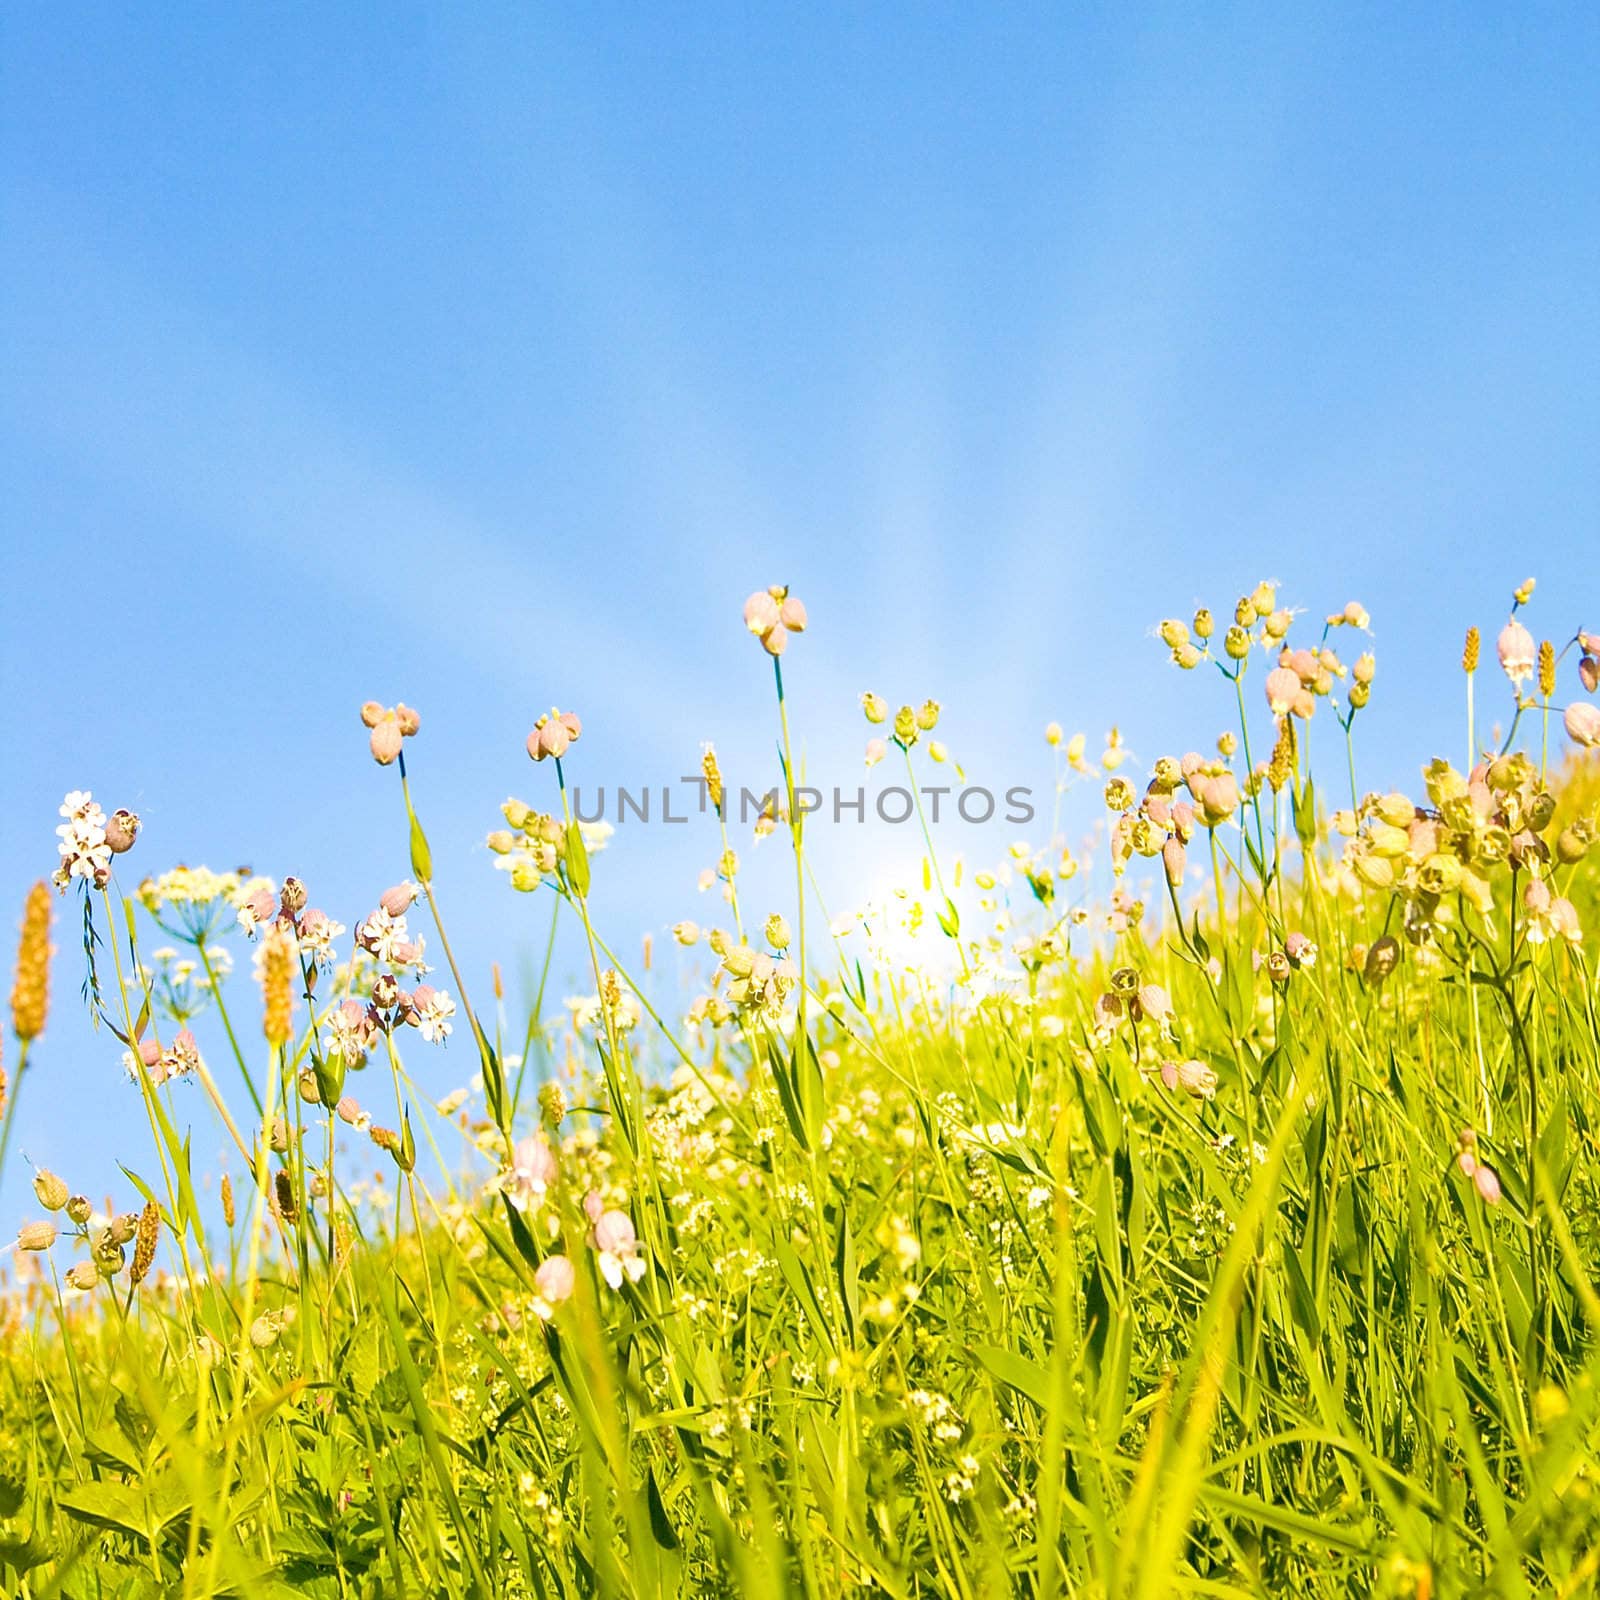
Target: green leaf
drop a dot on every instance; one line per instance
(1028, 1378)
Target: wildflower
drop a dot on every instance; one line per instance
(617, 1249)
(121, 831)
(1582, 723)
(390, 726)
(317, 933)
(777, 931)
(1052, 734)
(876, 751)
(553, 1281)
(533, 1172)
(30, 988)
(1300, 950)
(1193, 1077)
(83, 849)
(686, 933)
(50, 1190)
(552, 733)
(1204, 624)
(772, 615)
(36, 1235)
(399, 899)
(430, 1011)
(83, 1275)
(1515, 649)
(875, 707)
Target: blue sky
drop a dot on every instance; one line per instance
(487, 357)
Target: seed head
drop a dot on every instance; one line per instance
(79, 1209)
(874, 707)
(283, 1194)
(30, 990)
(36, 1235)
(227, 1200)
(144, 1244)
(52, 1192)
(1282, 764)
(1469, 653)
(83, 1275)
(275, 965)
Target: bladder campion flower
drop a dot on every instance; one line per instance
(391, 726)
(553, 1281)
(1516, 652)
(552, 733)
(772, 615)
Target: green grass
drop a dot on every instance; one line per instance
(948, 1286)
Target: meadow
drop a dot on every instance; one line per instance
(1236, 1240)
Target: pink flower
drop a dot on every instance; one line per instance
(1582, 723)
(1487, 1182)
(398, 900)
(1283, 688)
(1516, 651)
(618, 1248)
(552, 734)
(876, 751)
(554, 1282)
(772, 615)
(390, 725)
(533, 1171)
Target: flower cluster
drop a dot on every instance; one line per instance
(390, 726)
(89, 839)
(552, 733)
(1161, 825)
(176, 1060)
(1473, 826)
(261, 908)
(772, 615)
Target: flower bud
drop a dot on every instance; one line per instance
(777, 932)
(905, 725)
(1582, 722)
(1204, 624)
(1236, 642)
(875, 707)
(928, 716)
(79, 1209)
(83, 1275)
(372, 713)
(51, 1191)
(1173, 633)
(407, 719)
(386, 741)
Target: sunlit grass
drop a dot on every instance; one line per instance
(1211, 1210)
